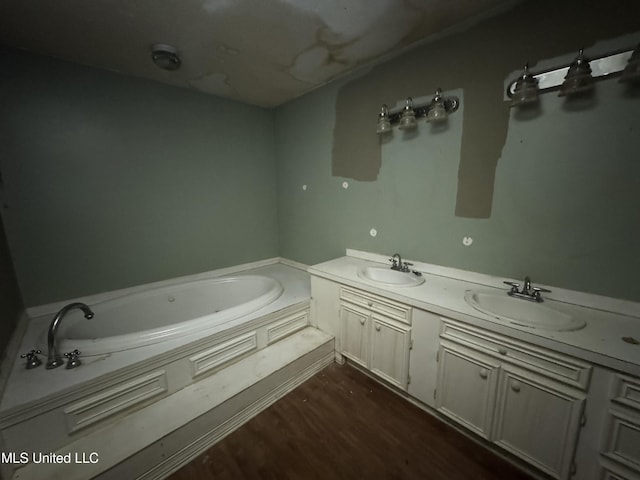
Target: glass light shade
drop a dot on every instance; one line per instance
(631, 72)
(384, 124)
(578, 79)
(437, 110)
(525, 91)
(408, 116)
(437, 113)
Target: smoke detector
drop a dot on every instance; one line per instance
(165, 57)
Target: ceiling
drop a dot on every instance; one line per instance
(262, 52)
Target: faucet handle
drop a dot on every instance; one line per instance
(74, 361)
(32, 359)
(536, 293)
(514, 286)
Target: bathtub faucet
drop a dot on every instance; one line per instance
(53, 357)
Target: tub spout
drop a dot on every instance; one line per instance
(53, 357)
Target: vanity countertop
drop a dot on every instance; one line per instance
(599, 342)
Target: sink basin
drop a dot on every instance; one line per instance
(389, 278)
(522, 312)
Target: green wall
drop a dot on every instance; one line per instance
(552, 195)
(112, 181)
(10, 301)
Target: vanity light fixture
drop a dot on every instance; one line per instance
(408, 116)
(576, 78)
(525, 91)
(631, 73)
(165, 56)
(437, 110)
(384, 124)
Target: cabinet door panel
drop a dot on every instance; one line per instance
(390, 351)
(467, 385)
(538, 421)
(354, 334)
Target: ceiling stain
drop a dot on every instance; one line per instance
(270, 51)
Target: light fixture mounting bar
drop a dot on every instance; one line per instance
(610, 64)
(451, 104)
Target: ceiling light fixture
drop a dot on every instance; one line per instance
(165, 57)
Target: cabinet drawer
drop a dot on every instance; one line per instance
(563, 368)
(613, 471)
(380, 305)
(624, 439)
(627, 392)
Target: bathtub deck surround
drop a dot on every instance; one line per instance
(494, 376)
(94, 402)
(23, 389)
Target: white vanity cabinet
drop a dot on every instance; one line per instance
(538, 420)
(525, 398)
(467, 386)
(621, 454)
(355, 326)
(375, 333)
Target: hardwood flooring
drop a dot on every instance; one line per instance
(341, 424)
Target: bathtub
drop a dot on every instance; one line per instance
(226, 346)
(161, 314)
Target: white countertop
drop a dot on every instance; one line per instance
(599, 342)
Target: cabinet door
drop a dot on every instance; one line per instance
(390, 342)
(538, 420)
(467, 386)
(423, 357)
(354, 334)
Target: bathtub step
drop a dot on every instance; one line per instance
(153, 442)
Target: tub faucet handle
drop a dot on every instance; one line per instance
(74, 360)
(32, 359)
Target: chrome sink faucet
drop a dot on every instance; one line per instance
(528, 292)
(396, 264)
(399, 265)
(53, 357)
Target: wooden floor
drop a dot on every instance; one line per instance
(340, 424)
